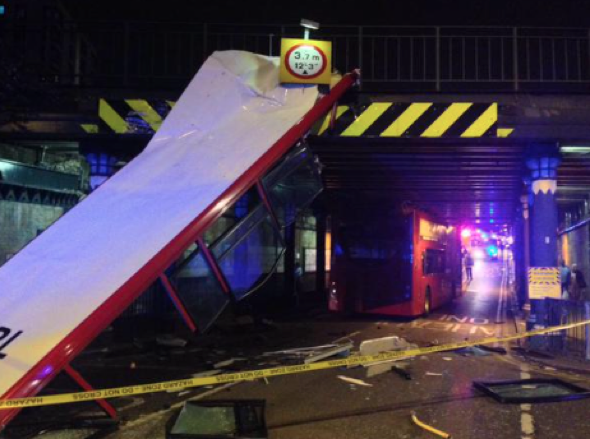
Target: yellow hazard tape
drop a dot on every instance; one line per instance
(264, 373)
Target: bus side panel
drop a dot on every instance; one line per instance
(440, 284)
(420, 281)
(363, 279)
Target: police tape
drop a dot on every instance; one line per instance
(117, 392)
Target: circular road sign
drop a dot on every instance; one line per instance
(306, 61)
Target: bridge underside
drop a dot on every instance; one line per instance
(464, 181)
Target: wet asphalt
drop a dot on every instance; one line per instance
(319, 405)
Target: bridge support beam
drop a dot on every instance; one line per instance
(542, 162)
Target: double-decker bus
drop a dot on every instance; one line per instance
(399, 262)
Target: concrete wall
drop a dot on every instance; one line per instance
(22, 222)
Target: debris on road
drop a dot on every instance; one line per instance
(401, 371)
(434, 374)
(300, 351)
(347, 337)
(341, 351)
(171, 341)
(494, 349)
(313, 353)
(384, 344)
(223, 418)
(206, 373)
(226, 363)
(473, 351)
(429, 428)
(354, 381)
(533, 390)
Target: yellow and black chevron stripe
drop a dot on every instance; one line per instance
(129, 116)
(418, 119)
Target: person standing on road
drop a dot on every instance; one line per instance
(469, 266)
(566, 278)
(578, 289)
(298, 284)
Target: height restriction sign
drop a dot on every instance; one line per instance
(306, 61)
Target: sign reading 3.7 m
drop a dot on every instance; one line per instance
(306, 61)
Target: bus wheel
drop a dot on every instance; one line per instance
(427, 302)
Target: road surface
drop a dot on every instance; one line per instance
(318, 405)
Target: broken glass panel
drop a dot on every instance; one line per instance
(219, 419)
(532, 390)
(250, 252)
(200, 290)
(293, 184)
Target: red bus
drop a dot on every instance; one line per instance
(399, 262)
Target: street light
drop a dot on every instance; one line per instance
(307, 25)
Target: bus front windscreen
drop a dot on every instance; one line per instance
(379, 258)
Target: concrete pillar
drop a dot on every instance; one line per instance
(544, 224)
(542, 162)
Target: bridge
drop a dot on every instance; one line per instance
(480, 128)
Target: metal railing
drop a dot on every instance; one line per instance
(166, 55)
(574, 342)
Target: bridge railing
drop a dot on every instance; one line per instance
(397, 59)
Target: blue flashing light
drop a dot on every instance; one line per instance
(2, 9)
(493, 250)
(491, 221)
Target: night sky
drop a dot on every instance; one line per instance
(384, 12)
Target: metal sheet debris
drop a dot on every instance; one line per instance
(384, 344)
(474, 351)
(312, 354)
(226, 363)
(170, 341)
(206, 373)
(354, 381)
(429, 428)
(341, 351)
(535, 390)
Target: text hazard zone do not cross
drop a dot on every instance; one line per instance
(306, 61)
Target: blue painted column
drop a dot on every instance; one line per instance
(542, 162)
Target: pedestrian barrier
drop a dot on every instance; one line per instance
(573, 342)
(265, 373)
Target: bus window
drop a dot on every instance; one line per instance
(371, 249)
(434, 262)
